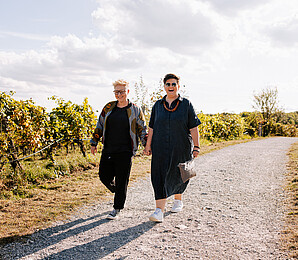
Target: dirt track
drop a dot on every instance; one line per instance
(234, 209)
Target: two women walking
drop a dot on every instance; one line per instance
(172, 138)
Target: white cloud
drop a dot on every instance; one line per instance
(176, 25)
(284, 33)
(94, 53)
(68, 67)
(219, 48)
(232, 7)
(68, 58)
(27, 36)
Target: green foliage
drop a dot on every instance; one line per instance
(275, 127)
(273, 120)
(27, 128)
(266, 102)
(69, 120)
(23, 127)
(221, 126)
(252, 121)
(279, 129)
(288, 118)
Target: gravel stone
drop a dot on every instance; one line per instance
(233, 209)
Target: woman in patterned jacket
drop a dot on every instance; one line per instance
(121, 125)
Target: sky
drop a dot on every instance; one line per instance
(225, 52)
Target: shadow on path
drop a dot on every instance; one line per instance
(49, 236)
(91, 250)
(104, 246)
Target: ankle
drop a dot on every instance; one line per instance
(178, 197)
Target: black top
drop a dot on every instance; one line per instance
(117, 137)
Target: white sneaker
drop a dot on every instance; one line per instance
(177, 206)
(157, 216)
(113, 214)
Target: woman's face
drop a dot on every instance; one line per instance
(121, 92)
(171, 87)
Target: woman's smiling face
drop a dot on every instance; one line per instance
(171, 87)
(121, 92)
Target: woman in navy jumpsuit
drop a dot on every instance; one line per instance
(173, 138)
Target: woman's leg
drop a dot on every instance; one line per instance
(122, 163)
(161, 204)
(178, 196)
(157, 216)
(106, 172)
(178, 204)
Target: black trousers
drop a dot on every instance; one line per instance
(114, 171)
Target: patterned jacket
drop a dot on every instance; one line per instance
(137, 125)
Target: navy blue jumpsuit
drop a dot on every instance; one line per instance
(171, 144)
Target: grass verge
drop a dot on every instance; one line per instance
(290, 234)
(56, 199)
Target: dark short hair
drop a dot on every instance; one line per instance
(170, 76)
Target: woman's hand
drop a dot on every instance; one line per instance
(195, 153)
(147, 150)
(93, 150)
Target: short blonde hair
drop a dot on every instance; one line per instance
(121, 82)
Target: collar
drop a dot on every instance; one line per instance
(129, 104)
(178, 98)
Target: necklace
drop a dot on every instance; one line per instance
(173, 109)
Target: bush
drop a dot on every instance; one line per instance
(221, 126)
(279, 129)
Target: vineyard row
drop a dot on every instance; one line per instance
(27, 129)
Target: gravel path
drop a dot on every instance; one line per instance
(234, 209)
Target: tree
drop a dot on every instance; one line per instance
(156, 94)
(141, 96)
(145, 100)
(266, 102)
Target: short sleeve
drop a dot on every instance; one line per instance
(193, 119)
(152, 117)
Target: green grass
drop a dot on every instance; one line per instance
(36, 172)
(290, 234)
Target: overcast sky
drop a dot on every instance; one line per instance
(223, 51)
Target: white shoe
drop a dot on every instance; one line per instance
(157, 216)
(113, 214)
(177, 206)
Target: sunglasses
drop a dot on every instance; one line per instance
(119, 92)
(173, 84)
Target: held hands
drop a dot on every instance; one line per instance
(93, 150)
(196, 151)
(147, 150)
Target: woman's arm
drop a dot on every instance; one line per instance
(97, 134)
(195, 137)
(141, 128)
(147, 150)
